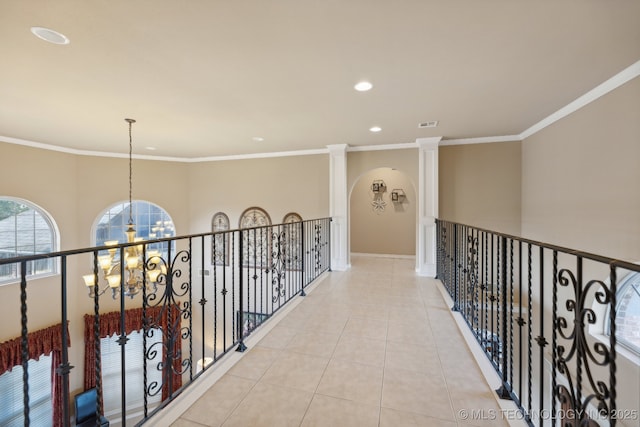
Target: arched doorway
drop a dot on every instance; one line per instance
(382, 214)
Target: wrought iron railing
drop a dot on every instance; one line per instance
(545, 317)
(211, 292)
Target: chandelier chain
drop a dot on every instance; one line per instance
(130, 121)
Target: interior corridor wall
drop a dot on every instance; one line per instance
(580, 178)
(479, 185)
(279, 185)
(362, 227)
(388, 231)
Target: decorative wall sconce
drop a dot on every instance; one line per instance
(398, 195)
(378, 187)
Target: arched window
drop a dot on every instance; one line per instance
(628, 312)
(26, 229)
(293, 241)
(150, 222)
(291, 217)
(220, 242)
(255, 242)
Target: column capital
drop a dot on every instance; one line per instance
(428, 143)
(337, 149)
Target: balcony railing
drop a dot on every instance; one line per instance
(192, 300)
(545, 316)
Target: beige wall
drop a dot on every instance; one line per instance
(74, 189)
(394, 231)
(391, 231)
(479, 185)
(278, 185)
(580, 178)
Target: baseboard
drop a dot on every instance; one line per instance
(360, 254)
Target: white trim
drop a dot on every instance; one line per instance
(427, 205)
(339, 206)
(367, 255)
(257, 155)
(481, 140)
(383, 147)
(23, 142)
(614, 82)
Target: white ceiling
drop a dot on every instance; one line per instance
(203, 77)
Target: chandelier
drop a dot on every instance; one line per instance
(109, 267)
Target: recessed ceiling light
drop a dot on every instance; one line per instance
(375, 129)
(258, 138)
(363, 86)
(49, 35)
(151, 148)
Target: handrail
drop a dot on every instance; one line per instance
(587, 255)
(527, 306)
(202, 307)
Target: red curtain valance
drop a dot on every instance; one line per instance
(41, 342)
(110, 322)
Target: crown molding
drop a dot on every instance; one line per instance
(481, 140)
(382, 147)
(611, 84)
(256, 156)
(614, 82)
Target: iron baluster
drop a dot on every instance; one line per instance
(64, 368)
(554, 338)
(241, 347)
(541, 340)
(503, 391)
(24, 342)
(529, 350)
(203, 301)
(510, 315)
(613, 305)
(520, 320)
(301, 254)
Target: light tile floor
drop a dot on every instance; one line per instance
(373, 346)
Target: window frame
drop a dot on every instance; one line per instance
(103, 212)
(55, 241)
(600, 329)
(623, 287)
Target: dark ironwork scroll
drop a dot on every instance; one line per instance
(578, 350)
(173, 285)
(278, 265)
(504, 299)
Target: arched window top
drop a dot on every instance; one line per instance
(254, 217)
(220, 222)
(26, 229)
(628, 312)
(150, 220)
(291, 217)
(220, 242)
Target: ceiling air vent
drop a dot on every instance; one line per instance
(431, 124)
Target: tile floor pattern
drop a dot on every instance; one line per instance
(373, 346)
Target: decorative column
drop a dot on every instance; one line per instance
(427, 206)
(338, 204)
